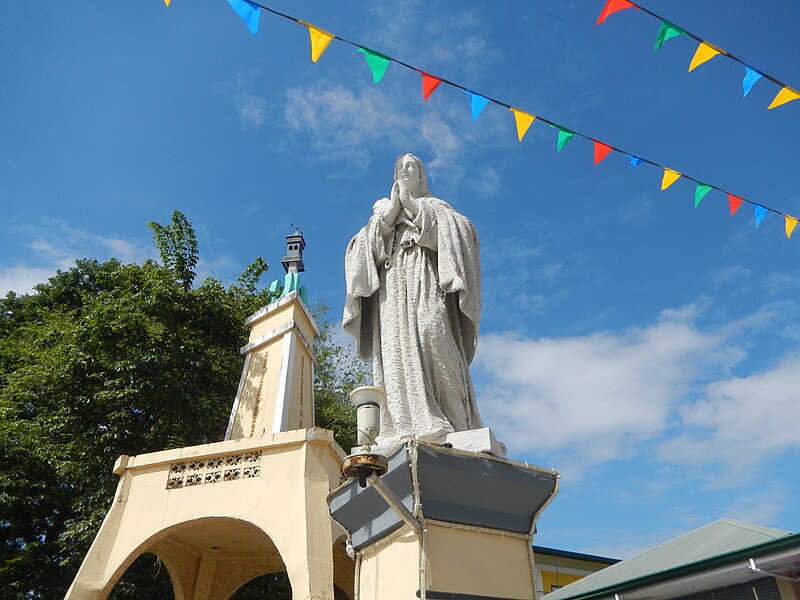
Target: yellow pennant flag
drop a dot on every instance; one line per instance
(787, 94)
(319, 40)
(670, 177)
(166, 2)
(705, 52)
(791, 223)
(523, 121)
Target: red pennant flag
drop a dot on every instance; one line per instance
(429, 83)
(611, 7)
(601, 150)
(735, 202)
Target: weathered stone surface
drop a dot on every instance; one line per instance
(413, 305)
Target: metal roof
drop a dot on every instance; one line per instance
(555, 552)
(702, 549)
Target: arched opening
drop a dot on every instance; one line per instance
(212, 557)
(272, 586)
(344, 569)
(147, 577)
(275, 586)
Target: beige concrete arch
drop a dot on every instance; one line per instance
(220, 514)
(219, 553)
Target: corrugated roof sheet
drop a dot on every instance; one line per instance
(714, 539)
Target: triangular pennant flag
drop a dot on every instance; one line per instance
(429, 83)
(376, 62)
(601, 150)
(791, 223)
(319, 40)
(249, 12)
(523, 121)
(666, 32)
(476, 104)
(635, 160)
(700, 192)
(704, 53)
(669, 178)
(611, 7)
(734, 202)
(750, 77)
(760, 213)
(564, 136)
(786, 94)
(166, 2)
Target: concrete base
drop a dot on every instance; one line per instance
(475, 515)
(476, 440)
(473, 440)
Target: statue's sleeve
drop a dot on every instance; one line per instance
(427, 231)
(459, 269)
(363, 259)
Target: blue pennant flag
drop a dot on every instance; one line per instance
(249, 12)
(760, 213)
(635, 160)
(477, 103)
(750, 78)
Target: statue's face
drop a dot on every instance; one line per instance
(409, 174)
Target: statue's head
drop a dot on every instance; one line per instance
(408, 170)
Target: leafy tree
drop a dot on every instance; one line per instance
(108, 359)
(177, 246)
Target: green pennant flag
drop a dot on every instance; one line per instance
(667, 31)
(376, 62)
(564, 136)
(700, 192)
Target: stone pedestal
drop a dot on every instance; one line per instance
(476, 440)
(477, 514)
(472, 440)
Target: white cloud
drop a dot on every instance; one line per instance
(251, 108)
(464, 40)
(63, 243)
(779, 283)
(663, 392)
(593, 397)
(22, 279)
(760, 506)
(344, 125)
(729, 274)
(445, 144)
(217, 268)
(740, 421)
(57, 245)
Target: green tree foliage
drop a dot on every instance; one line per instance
(108, 359)
(177, 246)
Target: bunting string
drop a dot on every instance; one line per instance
(378, 64)
(705, 51)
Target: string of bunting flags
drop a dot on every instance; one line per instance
(378, 63)
(705, 51)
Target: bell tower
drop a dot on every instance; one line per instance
(295, 244)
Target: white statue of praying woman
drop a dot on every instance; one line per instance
(413, 306)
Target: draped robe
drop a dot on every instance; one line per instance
(413, 306)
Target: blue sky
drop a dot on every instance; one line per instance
(647, 350)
